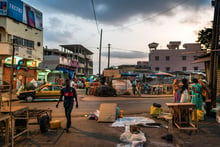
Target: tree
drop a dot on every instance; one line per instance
(205, 38)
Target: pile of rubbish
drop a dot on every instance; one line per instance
(105, 90)
(132, 136)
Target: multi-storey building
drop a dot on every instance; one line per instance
(21, 28)
(174, 58)
(72, 59)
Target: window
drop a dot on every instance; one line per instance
(30, 43)
(18, 40)
(16, 48)
(184, 68)
(183, 57)
(9, 37)
(156, 58)
(196, 68)
(167, 58)
(23, 42)
(83, 51)
(45, 89)
(167, 68)
(55, 88)
(29, 51)
(157, 68)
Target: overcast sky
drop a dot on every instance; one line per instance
(128, 25)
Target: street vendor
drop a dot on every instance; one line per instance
(206, 95)
(197, 94)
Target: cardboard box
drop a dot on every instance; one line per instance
(107, 112)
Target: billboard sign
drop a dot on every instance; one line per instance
(20, 11)
(32, 17)
(15, 9)
(3, 7)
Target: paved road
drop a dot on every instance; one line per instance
(89, 104)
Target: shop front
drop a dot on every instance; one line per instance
(26, 72)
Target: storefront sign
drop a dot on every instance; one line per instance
(9, 59)
(31, 63)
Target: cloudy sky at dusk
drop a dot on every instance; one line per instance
(128, 25)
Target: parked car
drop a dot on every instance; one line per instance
(44, 92)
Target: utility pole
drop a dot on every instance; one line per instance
(215, 45)
(100, 49)
(109, 46)
(11, 74)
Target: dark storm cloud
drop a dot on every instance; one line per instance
(58, 36)
(56, 31)
(120, 54)
(115, 11)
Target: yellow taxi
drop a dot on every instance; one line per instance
(45, 92)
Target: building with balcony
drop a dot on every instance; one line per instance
(20, 29)
(81, 56)
(174, 58)
(74, 60)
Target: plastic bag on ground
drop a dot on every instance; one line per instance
(134, 140)
(94, 115)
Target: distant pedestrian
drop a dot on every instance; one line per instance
(138, 88)
(69, 94)
(184, 92)
(72, 83)
(145, 88)
(87, 85)
(134, 86)
(177, 92)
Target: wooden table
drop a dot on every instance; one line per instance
(17, 112)
(182, 115)
(6, 117)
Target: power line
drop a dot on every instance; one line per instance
(124, 49)
(93, 8)
(151, 17)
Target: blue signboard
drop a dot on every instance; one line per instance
(22, 12)
(15, 9)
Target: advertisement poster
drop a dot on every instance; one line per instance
(3, 7)
(32, 17)
(18, 10)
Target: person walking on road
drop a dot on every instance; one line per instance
(69, 94)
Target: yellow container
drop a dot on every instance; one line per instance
(55, 124)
